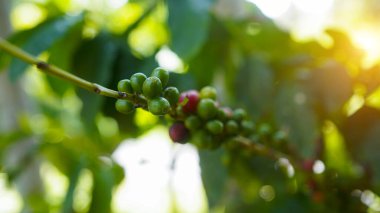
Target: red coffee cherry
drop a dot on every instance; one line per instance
(192, 97)
(178, 133)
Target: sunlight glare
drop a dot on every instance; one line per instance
(115, 4)
(150, 182)
(369, 42)
(10, 199)
(169, 60)
(314, 7)
(272, 8)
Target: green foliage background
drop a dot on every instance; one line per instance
(304, 90)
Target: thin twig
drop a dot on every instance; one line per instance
(60, 73)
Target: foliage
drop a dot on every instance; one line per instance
(301, 96)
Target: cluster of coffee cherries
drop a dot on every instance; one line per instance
(152, 89)
(205, 123)
(198, 116)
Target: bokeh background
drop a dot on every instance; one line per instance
(305, 69)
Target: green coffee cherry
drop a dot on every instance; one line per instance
(124, 106)
(172, 95)
(224, 113)
(202, 139)
(158, 106)
(247, 126)
(193, 122)
(152, 87)
(215, 127)
(239, 114)
(162, 74)
(125, 86)
(207, 109)
(208, 92)
(232, 127)
(264, 129)
(137, 81)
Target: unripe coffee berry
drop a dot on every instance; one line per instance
(137, 81)
(264, 129)
(124, 106)
(162, 74)
(152, 87)
(202, 139)
(247, 126)
(192, 98)
(215, 127)
(178, 133)
(125, 86)
(172, 95)
(232, 127)
(224, 113)
(207, 109)
(208, 92)
(193, 122)
(158, 106)
(239, 114)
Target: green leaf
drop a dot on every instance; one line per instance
(362, 132)
(61, 55)
(218, 57)
(214, 176)
(327, 90)
(188, 24)
(254, 86)
(93, 61)
(105, 178)
(67, 205)
(294, 114)
(41, 39)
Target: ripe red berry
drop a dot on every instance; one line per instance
(192, 97)
(178, 133)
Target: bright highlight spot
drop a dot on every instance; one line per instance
(27, 15)
(55, 183)
(152, 181)
(169, 60)
(284, 163)
(272, 8)
(115, 4)
(313, 6)
(10, 200)
(369, 42)
(267, 193)
(318, 167)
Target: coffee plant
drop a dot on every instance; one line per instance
(280, 125)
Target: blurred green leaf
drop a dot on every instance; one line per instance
(105, 178)
(216, 50)
(41, 39)
(214, 176)
(331, 86)
(293, 113)
(188, 24)
(67, 205)
(93, 61)
(61, 55)
(254, 86)
(362, 132)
